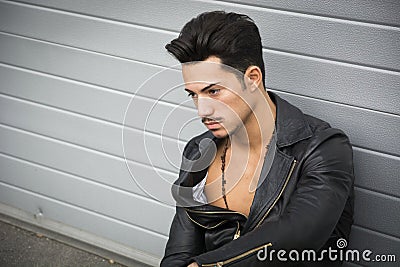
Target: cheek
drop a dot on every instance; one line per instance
(232, 108)
(234, 113)
(240, 108)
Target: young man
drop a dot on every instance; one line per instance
(264, 175)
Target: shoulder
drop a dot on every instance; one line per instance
(324, 141)
(322, 130)
(327, 144)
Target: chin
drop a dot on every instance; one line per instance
(219, 133)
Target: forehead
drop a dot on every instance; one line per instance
(198, 74)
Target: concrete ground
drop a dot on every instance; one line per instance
(19, 247)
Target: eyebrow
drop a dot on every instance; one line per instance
(204, 89)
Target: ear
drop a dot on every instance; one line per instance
(254, 75)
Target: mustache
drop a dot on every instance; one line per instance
(207, 119)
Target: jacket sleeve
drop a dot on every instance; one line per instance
(324, 185)
(186, 241)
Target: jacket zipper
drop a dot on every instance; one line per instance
(237, 233)
(206, 227)
(217, 212)
(212, 212)
(222, 263)
(280, 193)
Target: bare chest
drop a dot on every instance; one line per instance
(241, 178)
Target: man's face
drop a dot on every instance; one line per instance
(222, 103)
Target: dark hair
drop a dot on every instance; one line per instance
(234, 38)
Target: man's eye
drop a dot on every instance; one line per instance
(213, 91)
(192, 95)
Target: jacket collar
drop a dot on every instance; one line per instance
(290, 123)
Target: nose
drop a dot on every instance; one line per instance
(204, 107)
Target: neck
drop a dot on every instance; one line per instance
(258, 128)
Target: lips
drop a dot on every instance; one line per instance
(212, 124)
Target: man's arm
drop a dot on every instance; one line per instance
(186, 242)
(312, 213)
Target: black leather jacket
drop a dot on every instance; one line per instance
(304, 202)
